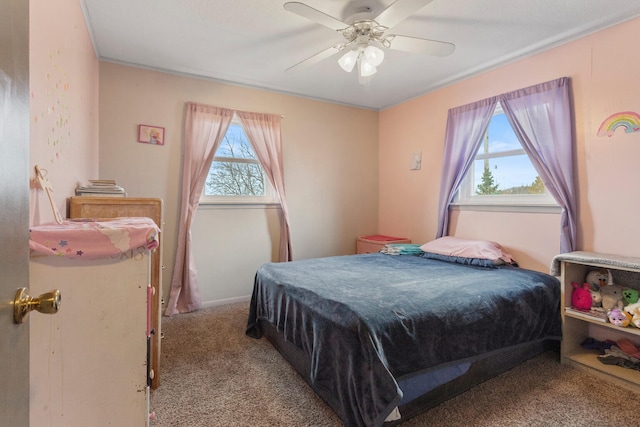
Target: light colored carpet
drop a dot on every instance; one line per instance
(212, 374)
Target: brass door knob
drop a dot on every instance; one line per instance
(48, 303)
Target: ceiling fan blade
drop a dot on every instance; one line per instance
(315, 15)
(317, 57)
(399, 11)
(417, 45)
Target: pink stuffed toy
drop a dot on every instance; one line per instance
(581, 296)
(619, 317)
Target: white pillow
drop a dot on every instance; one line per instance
(454, 246)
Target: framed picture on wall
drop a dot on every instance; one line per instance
(151, 134)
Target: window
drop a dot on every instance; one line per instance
(502, 173)
(236, 176)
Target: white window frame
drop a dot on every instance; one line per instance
(269, 198)
(465, 199)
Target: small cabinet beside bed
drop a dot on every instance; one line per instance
(625, 272)
(381, 338)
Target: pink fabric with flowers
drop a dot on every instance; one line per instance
(93, 239)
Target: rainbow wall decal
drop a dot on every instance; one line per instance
(629, 120)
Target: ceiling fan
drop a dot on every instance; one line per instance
(363, 34)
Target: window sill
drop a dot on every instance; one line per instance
(537, 208)
(236, 205)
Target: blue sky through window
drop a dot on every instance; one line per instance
(235, 144)
(511, 171)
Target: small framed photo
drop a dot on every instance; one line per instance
(151, 134)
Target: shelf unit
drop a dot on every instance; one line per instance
(576, 328)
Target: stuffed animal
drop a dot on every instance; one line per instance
(635, 320)
(598, 278)
(596, 299)
(619, 317)
(611, 297)
(634, 311)
(630, 296)
(581, 296)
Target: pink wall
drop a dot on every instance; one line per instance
(63, 79)
(64, 132)
(332, 199)
(604, 79)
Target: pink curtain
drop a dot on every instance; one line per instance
(205, 127)
(263, 131)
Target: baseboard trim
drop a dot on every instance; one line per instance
(218, 302)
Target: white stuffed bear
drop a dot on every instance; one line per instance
(634, 310)
(611, 297)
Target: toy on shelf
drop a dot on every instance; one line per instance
(634, 311)
(598, 278)
(612, 297)
(619, 317)
(581, 296)
(630, 296)
(596, 299)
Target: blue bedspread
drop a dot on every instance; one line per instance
(367, 321)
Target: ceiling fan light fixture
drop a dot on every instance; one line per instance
(348, 60)
(374, 55)
(362, 29)
(366, 67)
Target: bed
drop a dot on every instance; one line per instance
(383, 337)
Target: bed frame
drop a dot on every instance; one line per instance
(482, 368)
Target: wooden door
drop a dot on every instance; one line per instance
(14, 208)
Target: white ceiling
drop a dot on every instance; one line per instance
(253, 42)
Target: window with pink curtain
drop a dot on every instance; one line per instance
(205, 127)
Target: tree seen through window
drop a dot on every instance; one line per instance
(235, 170)
(501, 166)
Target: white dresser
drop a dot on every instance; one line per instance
(88, 362)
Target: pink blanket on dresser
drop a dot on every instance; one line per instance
(93, 239)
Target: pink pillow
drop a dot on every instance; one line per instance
(454, 246)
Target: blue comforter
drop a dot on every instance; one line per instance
(367, 321)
